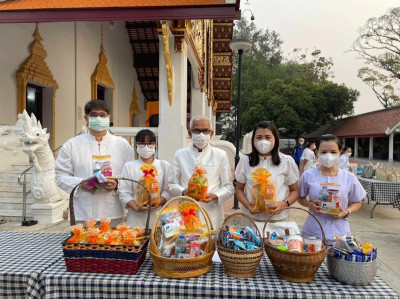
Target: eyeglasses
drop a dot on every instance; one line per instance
(204, 131)
(143, 144)
(101, 114)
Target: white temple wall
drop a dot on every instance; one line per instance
(72, 54)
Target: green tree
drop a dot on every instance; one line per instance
(379, 45)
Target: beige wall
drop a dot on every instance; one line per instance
(72, 55)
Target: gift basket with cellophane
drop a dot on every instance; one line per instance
(98, 248)
(181, 244)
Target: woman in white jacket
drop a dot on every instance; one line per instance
(145, 145)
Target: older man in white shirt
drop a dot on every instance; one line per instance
(213, 160)
(82, 155)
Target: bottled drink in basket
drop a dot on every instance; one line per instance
(180, 246)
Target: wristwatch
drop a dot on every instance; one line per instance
(287, 202)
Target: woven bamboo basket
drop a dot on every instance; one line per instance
(101, 258)
(240, 263)
(293, 266)
(182, 268)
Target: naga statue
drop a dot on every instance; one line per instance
(35, 144)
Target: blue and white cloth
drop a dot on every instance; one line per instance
(23, 257)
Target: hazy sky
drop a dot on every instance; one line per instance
(328, 25)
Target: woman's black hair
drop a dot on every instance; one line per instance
(330, 137)
(309, 143)
(345, 149)
(254, 158)
(142, 135)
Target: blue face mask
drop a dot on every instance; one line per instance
(99, 123)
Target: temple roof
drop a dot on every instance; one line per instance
(12, 11)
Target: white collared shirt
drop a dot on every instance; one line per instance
(75, 163)
(282, 175)
(215, 162)
(127, 189)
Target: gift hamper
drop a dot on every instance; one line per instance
(351, 262)
(295, 265)
(104, 250)
(240, 246)
(181, 246)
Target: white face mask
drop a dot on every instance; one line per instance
(201, 140)
(145, 152)
(348, 155)
(328, 160)
(264, 146)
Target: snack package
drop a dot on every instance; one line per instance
(263, 191)
(330, 200)
(239, 239)
(172, 222)
(78, 231)
(198, 184)
(105, 225)
(190, 217)
(150, 181)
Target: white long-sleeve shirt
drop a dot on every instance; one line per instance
(127, 189)
(215, 162)
(75, 163)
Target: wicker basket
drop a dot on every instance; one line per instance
(182, 268)
(101, 258)
(240, 263)
(293, 266)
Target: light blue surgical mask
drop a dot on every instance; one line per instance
(99, 123)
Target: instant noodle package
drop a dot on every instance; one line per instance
(150, 181)
(198, 184)
(263, 191)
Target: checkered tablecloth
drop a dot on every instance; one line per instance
(23, 256)
(381, 191)
(55, 282)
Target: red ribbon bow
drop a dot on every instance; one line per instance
(187, 214)
(149, 172)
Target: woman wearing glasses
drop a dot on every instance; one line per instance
(145, 147)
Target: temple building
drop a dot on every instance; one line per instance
(156, 63)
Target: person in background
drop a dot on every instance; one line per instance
(84, 155)
(298, 151)
(284, 173)
(213, 160)
(307, 160)
(330, 175)
(344, 162)
(145, 146)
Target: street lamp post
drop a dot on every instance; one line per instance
(239, 45)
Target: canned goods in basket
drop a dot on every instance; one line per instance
(295, 243)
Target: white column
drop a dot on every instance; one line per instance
(172, 127)
(344, 142)
(371, 148)
(213, 122)
(391, 139)
(356, 147)
(198, 102)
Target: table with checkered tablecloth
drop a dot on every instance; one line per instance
(23, 257)
(55, 282)
(381, 192)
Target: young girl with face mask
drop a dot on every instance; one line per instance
(145, 147)
(329, 174)
(284, 173)
(344, 162)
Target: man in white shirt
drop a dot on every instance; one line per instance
(83, 155)
(213, 160)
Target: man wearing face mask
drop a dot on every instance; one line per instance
(213, 160)
(85, 155)
(298, 151)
